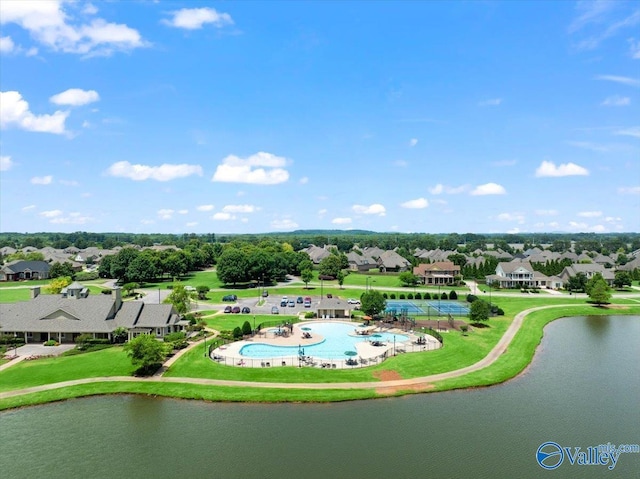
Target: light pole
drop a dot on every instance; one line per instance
(254, 325)
(205, 344)
(394, 344)
(158, 295)
(321, 288)
(366, 288)
(439, 297)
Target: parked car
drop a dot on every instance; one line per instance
(299, 300)
(246, 310)
(283, 303)
(235, 310)
(292, 303)
(353, 301)
(329, 295)
(275, 310)
(307, 303)
(229, 297)
(265, 293)
(227, 309)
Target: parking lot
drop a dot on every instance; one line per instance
(275, 301)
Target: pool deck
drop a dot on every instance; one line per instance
(366, 352)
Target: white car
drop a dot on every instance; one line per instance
(353, 301)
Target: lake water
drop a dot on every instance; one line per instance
(582, 389)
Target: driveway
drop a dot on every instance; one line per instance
(40, 350)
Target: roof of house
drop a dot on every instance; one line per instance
(512, 266)
(391, 259)
(21, 265)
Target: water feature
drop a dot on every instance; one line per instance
(582, 389)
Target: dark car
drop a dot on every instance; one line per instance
(235, 309)
(229, 297)
(329, 295)
(227, 309)
(246, 310)
(283, 303)
(299, 300)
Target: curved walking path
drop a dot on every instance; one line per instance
(423, 381)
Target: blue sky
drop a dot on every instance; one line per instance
(253, 117)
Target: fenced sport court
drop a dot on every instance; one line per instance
(428, 308)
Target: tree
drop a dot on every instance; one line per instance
(60, 269)
(56, 285)
(372, 303)
(146, 352)
(622, 279)
(180, 298)
(143, 268)
(599, 291)
(577, 282)
(129, 288)
(330, 266)
(407, 278)
(202, 291)
(479, 311)
(246, 328)
(231, 268)
(306, 275)
(340, 277)
(120, 334)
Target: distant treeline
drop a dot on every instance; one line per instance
(344, 241)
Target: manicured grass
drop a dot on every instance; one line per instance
(108, 362)
(14, 295)
(189, 391)
(25, 284)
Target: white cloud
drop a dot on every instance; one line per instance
(613, 219)
(546, 212)
(74, 218)
(5, 163)
(341, 221)
(262, 169)
(51, 213)
(634, 48)
(450, 190)
(322, 212)
(418, 203)
(6, 45)
(616, 100)
(548, 168)
(75, 97)
(196, 18)
(191, 224)
(239, 209)
(223, 216)
(28, 208)
(629, 190)
(164, 172)
(304, 180)
(14, 111)
(504, 163)
(413, 142)
(620, 79)
(284, 224)
(52, 24)
(42, 180)
(183, 212)
(518, 217)
(401, 163)
(633, 131)
(204, 207)
(147, 222)
(373, 209)
(165, 214)
(590, 214)
(488, 189)
(490, 102)
(69, 183)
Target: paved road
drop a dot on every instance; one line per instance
(423, 381)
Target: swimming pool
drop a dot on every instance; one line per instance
(336, 343)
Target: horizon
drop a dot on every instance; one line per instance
(260, 118)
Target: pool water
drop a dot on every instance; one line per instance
(335, 344)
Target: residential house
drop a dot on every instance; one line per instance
(360, 262)
(74, 312)
(441, 272)
(391, 261)
(514, 274)
(21, 269)
(588, 269)
(316, 253)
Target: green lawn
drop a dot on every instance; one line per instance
(107, 362)
(23, 294)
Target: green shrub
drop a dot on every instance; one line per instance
(443, 296)
(471, 298)
(401, 296)
(418, 296)
(310, 315)
(85, 275)
(410, 296)
(226, 334)
(174, 337)
(385, 295)
(246, 328)
(237, 332)
(426, 296)
(453, 295)
(51, 342)
(392, 296)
